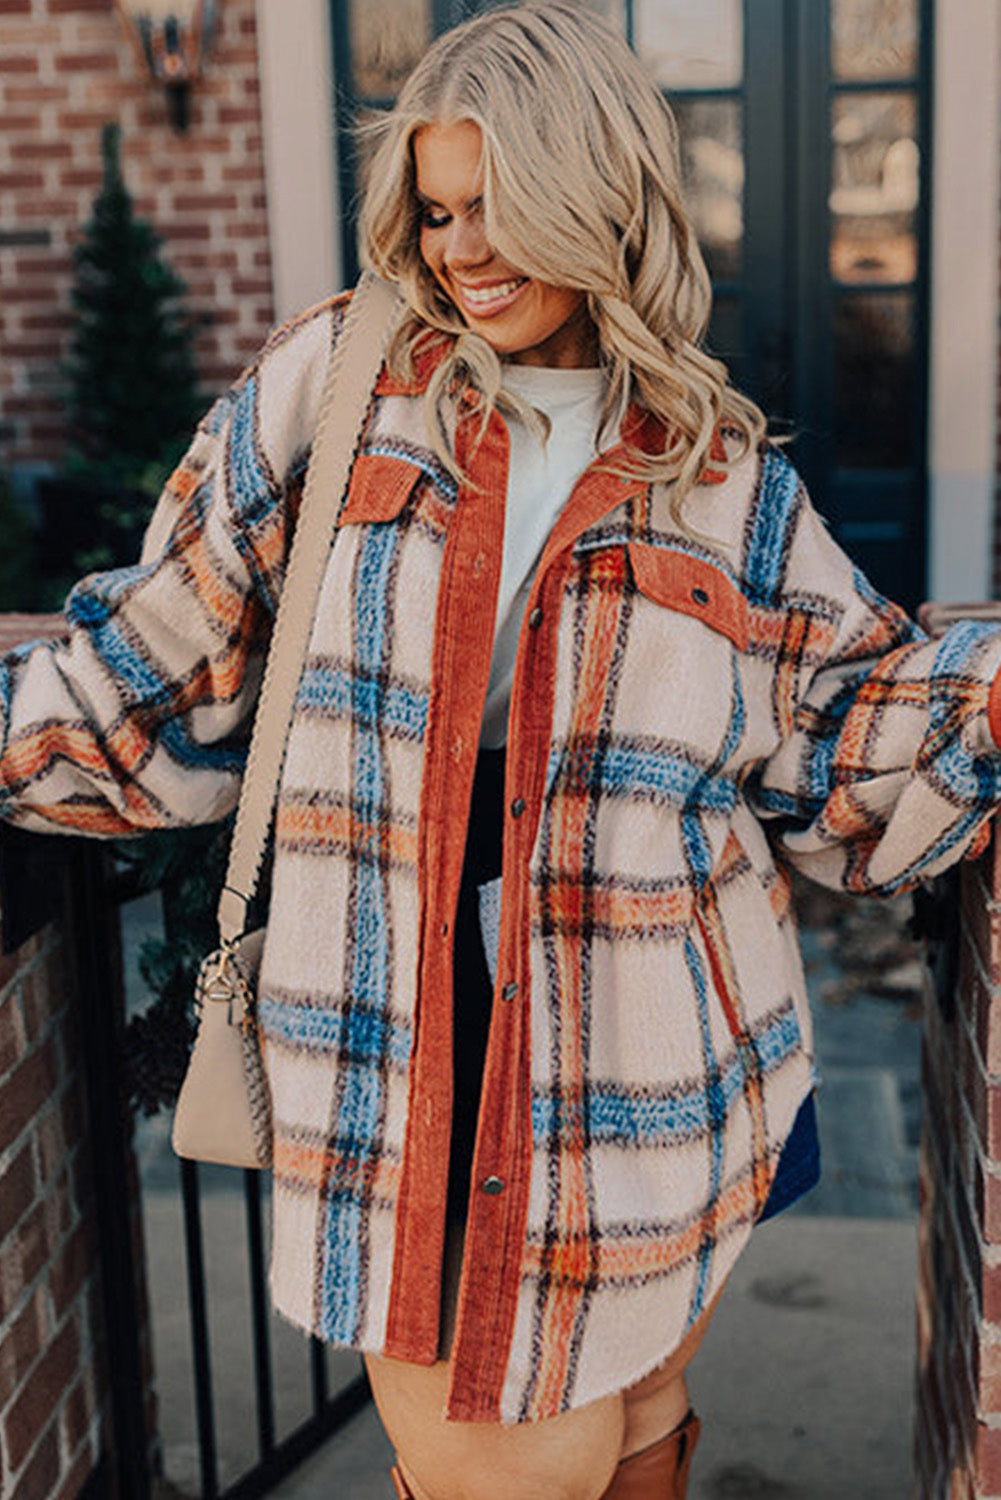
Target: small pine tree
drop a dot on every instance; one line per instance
(133, 390)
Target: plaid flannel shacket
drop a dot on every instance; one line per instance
(683, 706)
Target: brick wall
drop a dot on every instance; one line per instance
(52, 1381)
(66, 67)
(958, 1426)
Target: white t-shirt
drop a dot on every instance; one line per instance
(539, 482)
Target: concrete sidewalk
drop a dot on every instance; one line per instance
(804, 1382)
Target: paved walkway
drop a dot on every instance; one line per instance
(805, 1379)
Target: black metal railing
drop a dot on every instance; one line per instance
(95, 896)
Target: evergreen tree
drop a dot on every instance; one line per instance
(133, 396)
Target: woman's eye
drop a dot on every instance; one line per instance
(432, 218)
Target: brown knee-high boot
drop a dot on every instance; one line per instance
(659, 1472)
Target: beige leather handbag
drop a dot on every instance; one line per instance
(223, 1111)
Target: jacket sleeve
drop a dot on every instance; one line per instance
(139, 717)
(888, 768)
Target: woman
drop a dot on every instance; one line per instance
(533, 1014)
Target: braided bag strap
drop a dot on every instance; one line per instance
(373, 313)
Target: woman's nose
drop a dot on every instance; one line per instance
(466, 244)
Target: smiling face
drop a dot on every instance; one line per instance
(525, 320)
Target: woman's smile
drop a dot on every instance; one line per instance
(486, 299)
(525, 320)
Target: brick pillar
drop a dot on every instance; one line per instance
(52, 1371)
(958, 1430)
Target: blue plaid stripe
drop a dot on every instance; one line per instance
(645, 1118)
(771, 526)
(88, 609)
(627, 769)
(364, 1035)
(337, 693)
(360, 1107)
(251, 487)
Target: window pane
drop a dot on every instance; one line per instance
(712, 164)
(388, 37)
(874, 38)
(874, 381)
(875, 175)
(691, 44)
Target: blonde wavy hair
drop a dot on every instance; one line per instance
(581, 189)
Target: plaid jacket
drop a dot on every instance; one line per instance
(683, 708)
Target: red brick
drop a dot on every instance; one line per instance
(88, 179)
(986, 1007)
(40, 150)
(61, 1206)
(42, 1472)
(75, 1262)
(52, 322)
(42, 210)
(81, 120)
(15, 7)
(214, 260)
(17, 1189)
(232, 54)
(36, 93)
(194, 230)
(23, 63)
(74, 1417)
(53, 263)
(242, 172)
(41, 292)
(41, 1393)
(13, 1043)
(239, 114)
(39, 991)
(203, 203)
(21, 1345)
(69, 7)
(10, 180)
(247, 286)
(51, 1145)
(987, 1459)
(79, 1472)
(24, 1092)
(248, 227)
(86, 62)
(22, 1257)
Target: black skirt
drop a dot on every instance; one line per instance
(472, 991)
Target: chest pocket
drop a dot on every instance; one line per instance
(690, 586)
(379, 488)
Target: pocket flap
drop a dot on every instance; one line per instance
(693, 587)
(379, 489)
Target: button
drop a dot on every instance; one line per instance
(444, 929)
(700, 596)
(510, 990)
(492, 1186)
(517, 807)
(535, 618)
